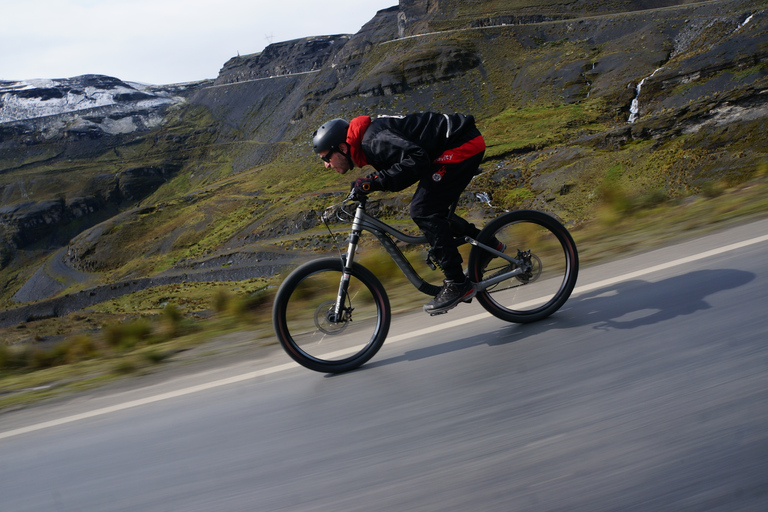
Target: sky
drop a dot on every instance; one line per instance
(159, 41)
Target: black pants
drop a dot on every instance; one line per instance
(430, 210)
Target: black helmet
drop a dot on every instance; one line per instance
(330, 135)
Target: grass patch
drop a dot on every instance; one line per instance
(108, 343)
(513, 198)
(662, 222)
(539, 126)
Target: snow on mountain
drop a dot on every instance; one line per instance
(31, 99)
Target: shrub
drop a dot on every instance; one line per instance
(155, 356)
(45, 358)
(612, 193)
(381, 264)
(171, 313)
(126, 335)
(221, 301)
(652, 198)
(241, 307)
(8, 358)
(81, 347)
(712, 189)
(171, 320)
(124, 367)
(226, 303)
(260, 301)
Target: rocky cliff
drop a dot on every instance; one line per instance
(287, 58)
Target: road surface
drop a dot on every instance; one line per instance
(647, 391)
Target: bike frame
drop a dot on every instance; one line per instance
(383, 232)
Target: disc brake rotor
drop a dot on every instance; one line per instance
(322, 322)
(533, 272)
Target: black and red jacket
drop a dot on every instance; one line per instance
(403, 148)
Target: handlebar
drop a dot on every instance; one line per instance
(352, 196)
(360, 197)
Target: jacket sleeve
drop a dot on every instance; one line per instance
(401, 163)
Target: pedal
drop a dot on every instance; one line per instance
(436, 313)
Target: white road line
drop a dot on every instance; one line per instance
(148, 400)
(664, 266)
(394, 339)
(589, 287)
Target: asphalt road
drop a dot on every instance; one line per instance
(647, 391)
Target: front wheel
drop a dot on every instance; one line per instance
(547, 270)
(309, 330)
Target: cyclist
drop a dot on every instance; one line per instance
(439, 151)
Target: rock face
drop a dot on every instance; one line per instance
(27, 223)
(424, 16)
(287, 58)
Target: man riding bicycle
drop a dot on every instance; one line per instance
(441, 152)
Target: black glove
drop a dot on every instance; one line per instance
(366, 185)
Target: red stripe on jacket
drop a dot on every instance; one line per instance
(463, 152)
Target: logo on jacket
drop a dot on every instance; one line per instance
(439, 175)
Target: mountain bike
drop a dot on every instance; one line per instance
(332, 314)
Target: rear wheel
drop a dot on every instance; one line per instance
(307, 327)
(548, 264)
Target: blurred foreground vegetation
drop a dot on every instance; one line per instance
(138, 333)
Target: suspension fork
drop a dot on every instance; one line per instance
(348, 261)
